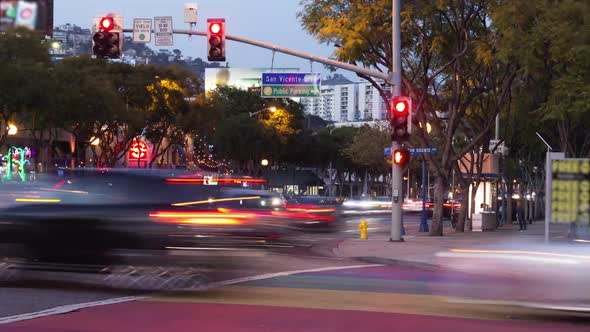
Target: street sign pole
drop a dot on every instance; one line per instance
(548, 193)
(396, 231)
(423, 219)
(397, 199)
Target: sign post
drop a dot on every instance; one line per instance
(290, 85)
(417, 152)
(142, 30)
(163, 31)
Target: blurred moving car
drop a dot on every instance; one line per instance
(88, 215)
(367, 205)
(529, 274)
(316, 200)
(313, 217)
(449, 207)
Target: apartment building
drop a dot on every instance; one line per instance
(343, 100)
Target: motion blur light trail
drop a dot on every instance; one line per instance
(519, 252)
(217, 200)
(202, 218)
(36, 200)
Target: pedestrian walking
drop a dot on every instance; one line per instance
(520, 215)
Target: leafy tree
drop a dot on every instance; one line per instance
(366, 151)
(25, 77)
(448, 60)
(105, 101)
(86, 99)
(168, 118)
(247, 139)
(550, 42)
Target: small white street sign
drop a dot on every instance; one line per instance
(142, 30)
(163, 31)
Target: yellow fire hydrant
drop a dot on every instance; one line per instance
(363, 226)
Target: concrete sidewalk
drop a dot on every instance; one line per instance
(422, 248)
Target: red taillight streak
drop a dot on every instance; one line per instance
(175, 214)
(309, 209)
(194, 217)
(298, 215)
(201, 218)
(203, 221)
(219, 181)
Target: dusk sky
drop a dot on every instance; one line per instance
(272, 21)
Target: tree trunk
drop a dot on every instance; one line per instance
(472, 198)
(509, 192)
(437, 217)
(350, 182)
(464, 209)
(365, 186)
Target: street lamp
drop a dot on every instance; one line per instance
(272, 109)
(12, 129)
(264, 162)
(94, 141)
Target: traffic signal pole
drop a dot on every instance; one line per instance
(396, 230)
(387, 77)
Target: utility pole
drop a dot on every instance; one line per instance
(396, 231)
(503, 183)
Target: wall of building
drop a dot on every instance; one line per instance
(346, 101)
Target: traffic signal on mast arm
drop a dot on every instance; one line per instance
(401, 117)
(400, 157)
(107, 42)
(216, 39)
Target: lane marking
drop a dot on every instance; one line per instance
(64, 309)
(534, 305)
(288, 273)
(520, 252)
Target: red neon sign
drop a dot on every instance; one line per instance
(138, 150)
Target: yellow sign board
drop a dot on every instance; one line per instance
(570, 191)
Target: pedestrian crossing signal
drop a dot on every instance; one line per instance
(400, 157)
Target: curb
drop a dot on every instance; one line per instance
(399, 263)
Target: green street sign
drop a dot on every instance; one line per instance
(290, 85)
(281, 91)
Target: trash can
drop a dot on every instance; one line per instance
(489, 221)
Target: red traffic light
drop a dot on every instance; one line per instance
(401, 117)
(215, 28)
(401, 106)
(216, 39)
(400, 157)
(106, 24)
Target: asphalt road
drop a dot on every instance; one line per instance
(300, 288)
(21, 299)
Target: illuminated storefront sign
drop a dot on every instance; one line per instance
(138, 151)
(570, 191)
